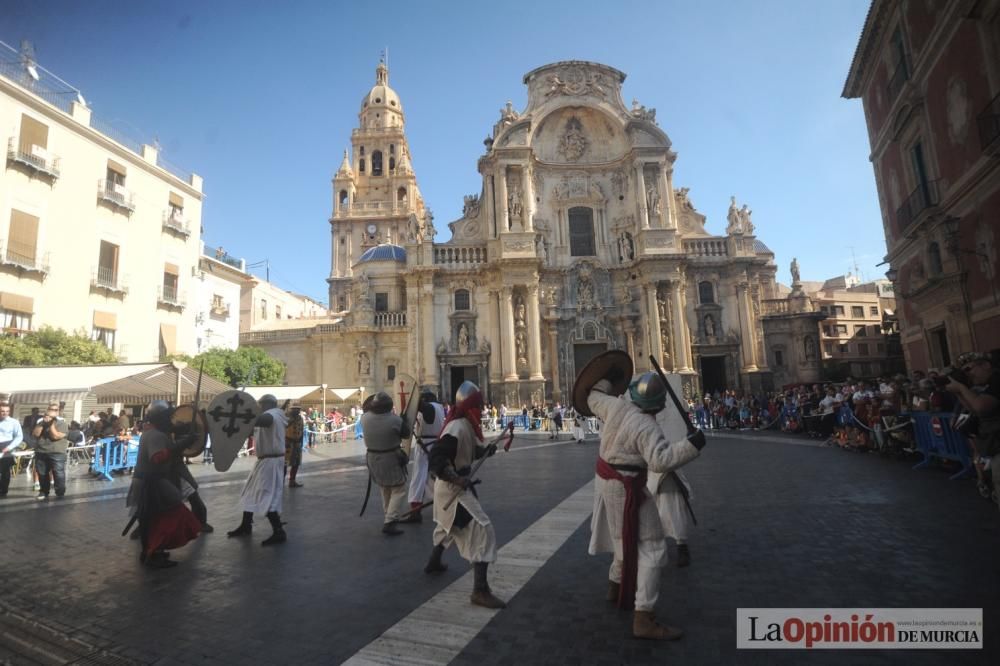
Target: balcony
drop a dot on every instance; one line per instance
(168, 296)
(219, 311)
(453, 256)
(175, 223)
(390, 319)
(107, 279)
(774, 306)
(221, 255)
(899, 77)
(24, 258)
(372, 208)
(37, 159)
(989, 127)
(920, 201)
(115, 195)
(710, 247)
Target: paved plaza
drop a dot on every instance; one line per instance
(783, 522)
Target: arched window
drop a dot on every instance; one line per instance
(392, 164)
(705, 292)
(401, 194)
(581, 232)
(343, 197)
(392, 149)
(362, 153)
(361, 165)
(377, 163)
(462, 300)
(934, 259)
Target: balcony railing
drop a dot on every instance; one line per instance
(25, 258)
(174, 222)
(221, 255)
(170, 296)
(388, 319)
(107, 278)
(989, 126)
(710, 247)
(36, 158)
(774, 306)
(899, 77)
(922, 199)
(219, 310)
(371, 208)
(455, 255)
(116, 195)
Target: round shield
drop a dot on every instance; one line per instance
(595, 371)
(186, 417)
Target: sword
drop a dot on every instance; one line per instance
(691, 430)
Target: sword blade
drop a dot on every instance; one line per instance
(673, 396)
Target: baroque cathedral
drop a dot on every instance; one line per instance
(576, 243)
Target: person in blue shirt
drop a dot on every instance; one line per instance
(11, 437)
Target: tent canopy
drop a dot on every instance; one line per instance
(307, 393)
(160, 384)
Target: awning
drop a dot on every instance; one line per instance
(159, 383)
(308, 393)
(168, 332)
(47, 397)
(106, 320)
(176, 200)
(17, 303)
(346, 393)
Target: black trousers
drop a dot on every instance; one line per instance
(54, 463)
(6, 463)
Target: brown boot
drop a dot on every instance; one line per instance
(614, 590)
(644, 626)
(481, 593)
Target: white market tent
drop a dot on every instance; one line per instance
(309, 393)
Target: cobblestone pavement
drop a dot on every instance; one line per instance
(782, 523)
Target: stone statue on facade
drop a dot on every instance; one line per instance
(542, 247)
(585, 294)
(626, 248)
(709, 326)
(363, 288)
(745, 219)
(810, 348)
(463, 339)
(642, 113)
(665, 345)
(428, 227)
(470, 206)
(735, 225)
(507, 114)
(796, 278)
(514, 205)
(653, 199)
(683, 200)
(519, 312)
(553, 296)
(364, 364)
(521, 341)
(573, 143)
(414, 232)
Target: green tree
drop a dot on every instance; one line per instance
(53, 346)
(236, 367)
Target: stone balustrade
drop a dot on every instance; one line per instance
(774, 306)
(389, 319)
(457, 255)
(706, 247)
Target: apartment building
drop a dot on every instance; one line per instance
(218, 282)
(858, 336)
(265, 305)
(97, 232)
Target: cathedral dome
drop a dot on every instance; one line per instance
(381, 95)
(384, 252)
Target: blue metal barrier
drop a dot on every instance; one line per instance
(358, 430)
(111, 455)
(936, 439)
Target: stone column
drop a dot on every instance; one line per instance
(488, 204)
(668, 176)
(528, 205)
(748, 345)
(333, 252)
(534, 334)
(502, 224)
(630, 340)
(429, 367)
(554, 361)
(655, 346)
(496, 338)
(507, 340)
(666, 195)
(682, 349)
(640, 185)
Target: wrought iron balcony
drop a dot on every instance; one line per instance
(174, 222)
(219, 310)
(920, 201)
(989, 127)
(116, 195)
(106, 278)
(899, 77)
(169, 296)
(36, 158)
(24, 258)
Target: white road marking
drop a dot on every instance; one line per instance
(437, 631)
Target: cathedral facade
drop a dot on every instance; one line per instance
(577, 242)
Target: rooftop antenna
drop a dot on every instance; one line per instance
(857, 271)
(28, 58)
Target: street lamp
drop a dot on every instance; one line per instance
(892, 274)
(323, 386)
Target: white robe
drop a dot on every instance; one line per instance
(674, 515)
(263, 490)
(421, 486)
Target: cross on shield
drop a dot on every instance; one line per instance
(231, 418)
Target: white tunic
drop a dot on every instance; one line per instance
(674, 515)
(263, 490)
(426, 434)
(629, 437)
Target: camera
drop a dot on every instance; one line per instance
(955, 375)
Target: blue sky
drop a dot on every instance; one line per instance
(260, 98)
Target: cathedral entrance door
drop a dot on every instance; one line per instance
(583, 352)
(459, 374)
(713, 373)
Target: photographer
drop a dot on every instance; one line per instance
(50, 451)
(977, 387)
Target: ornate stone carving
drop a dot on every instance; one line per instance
(507, 114)
(364, 364)
(578, 186)
(738, 219)
(542, 248)
(659, 241)
(463, 339)
(626, 247)
(518, 245)
(682, 198)
(573, 143)
(796, 277)
(470, 206)
(642, 113)
(619, 183)
(414, 230)
(653, 198)
(574, 81)
(521, 342)
(514, 202)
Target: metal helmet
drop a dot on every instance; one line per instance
(159, 413)
(648, 392)
(380, 403)
(267, 401)
(468, 396)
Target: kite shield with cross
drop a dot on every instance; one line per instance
(231, 418)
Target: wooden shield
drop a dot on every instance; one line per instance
(231, 418)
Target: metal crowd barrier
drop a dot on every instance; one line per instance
(111, 455)
(936, 439)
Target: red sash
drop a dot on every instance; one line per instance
(630, 528)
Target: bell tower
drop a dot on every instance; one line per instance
(374, 191)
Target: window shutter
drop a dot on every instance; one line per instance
(107, 320)
(17, 303)
(23, 236)
(33, 133)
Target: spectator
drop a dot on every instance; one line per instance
(50, 452)
(982, 398)
(11, 437)
(28, 425)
